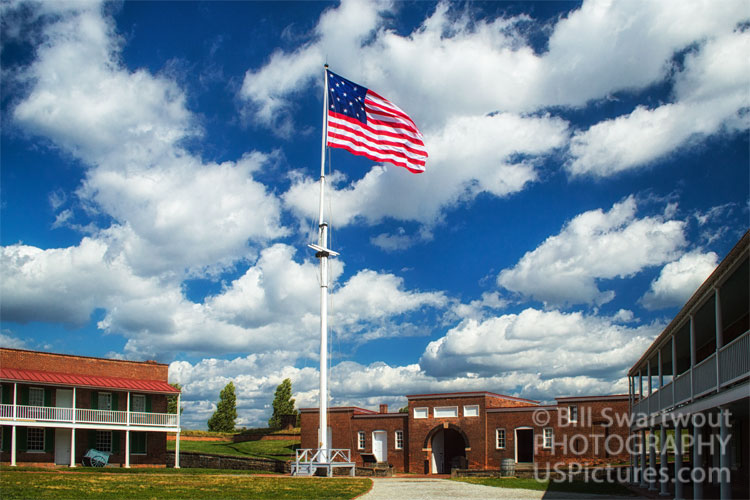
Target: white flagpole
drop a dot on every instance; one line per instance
(323, 256)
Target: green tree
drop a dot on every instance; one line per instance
(405, 409)
(223, 419)
(283, 404)
(172, 400)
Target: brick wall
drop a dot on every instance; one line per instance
(389, 422)
(82, 365)
(477, 433)
(422, 430)
(583, 441)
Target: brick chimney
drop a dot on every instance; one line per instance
(383, 408)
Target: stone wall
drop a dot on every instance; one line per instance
(192, 460)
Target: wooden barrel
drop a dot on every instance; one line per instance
(507, 467)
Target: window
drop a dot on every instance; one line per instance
(471, 411)
(104, 440)
(573, 413)
(500, 439)
(361, 440)
(35, 439)
(446, 411)
(105, 402)
(547, 443)
(399, 440)
(138, 404)
(36, 396)
(138, 443)
(421, 412)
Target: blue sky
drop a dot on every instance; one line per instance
(588, 169)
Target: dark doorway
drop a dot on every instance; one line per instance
(448, 451)
(525, 445)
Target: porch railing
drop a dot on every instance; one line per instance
(704, 376)
(43, 414)
(731, 364)
(734, 360)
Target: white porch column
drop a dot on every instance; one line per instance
(127, 433)
(644, 443)
(652, 459)
(177, 437)
(73, 433)
(697, 473)
(678, 486)
(13, 429)
(725, 486)
(663, 470)
(719, 335)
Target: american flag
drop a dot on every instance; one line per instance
(366, 124)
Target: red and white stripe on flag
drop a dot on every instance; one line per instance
(382, 133)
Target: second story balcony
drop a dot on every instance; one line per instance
(84, 417)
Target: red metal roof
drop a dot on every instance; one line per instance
(74, 379)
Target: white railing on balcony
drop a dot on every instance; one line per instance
(733, 365)
(666, 399)
(101, 416)
(86, 416)
(682, 388)
(734, 360)
(704, 376)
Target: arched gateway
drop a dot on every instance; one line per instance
(449, 445)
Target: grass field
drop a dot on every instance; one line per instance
(533, 484)
(87, 483)
(279, 450)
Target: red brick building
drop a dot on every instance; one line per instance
(477, 430)
(55, 407)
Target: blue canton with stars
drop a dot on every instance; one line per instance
(346, 98)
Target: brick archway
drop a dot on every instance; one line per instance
(448, 445)
(441, 427)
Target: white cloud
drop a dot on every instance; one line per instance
(65, 284)
(594, 245)
(596, 50)
(266, 89)
(552, 344)
(678, 280)
(172, 212)
(11, 342)
(711, 98)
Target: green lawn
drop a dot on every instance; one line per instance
(533, 484)
(278, 450)
(182, 483)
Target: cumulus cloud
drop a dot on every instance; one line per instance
(710, 97)
(595, 50)
(172, 212)
(65, 285)
(354, 384)
(552, 344)
(679, 279)
(594, 245)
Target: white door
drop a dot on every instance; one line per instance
(380, 445)
(438, 458)
(62, 446)
(63, 399)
